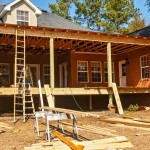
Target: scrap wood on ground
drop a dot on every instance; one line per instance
(115, 142)
(4, 127)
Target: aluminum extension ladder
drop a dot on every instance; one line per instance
(23, 99)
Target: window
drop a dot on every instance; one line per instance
(96, 71)
(22, 17)
(82, 71)
(106, 72)
(46, 74)
(4, 74)
(145, 67)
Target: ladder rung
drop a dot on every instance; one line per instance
(20, 52)
(19, 110)
(19, 97)
(20, 65)
(20, 58)
(20, 46)
(29, 114)
(19, 104)
(28, 102)
(20, 41)
(28, 107)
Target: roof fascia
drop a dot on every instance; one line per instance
(8, 7)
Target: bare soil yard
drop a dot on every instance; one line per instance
(22, 134)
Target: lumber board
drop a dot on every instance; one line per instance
(67, 141)
(102, 132)
(127, 122)
(68, 111)
(49, 96)
(137, 119)
(130, 127)
(117, 98)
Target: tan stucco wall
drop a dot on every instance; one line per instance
(11, 17)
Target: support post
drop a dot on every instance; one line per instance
(90, 102)
(52, 79)
(109, 68)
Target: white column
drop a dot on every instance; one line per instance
(109, 67)
(52, 79)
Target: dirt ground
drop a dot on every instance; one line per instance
(23, 135)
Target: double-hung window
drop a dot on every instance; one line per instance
(46, 74)
(4, 74)
(82, 71)
(145, 67)
(22, 17)
(106, 72)
(96, 71)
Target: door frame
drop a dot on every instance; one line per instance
(65, 65)
(120, 73)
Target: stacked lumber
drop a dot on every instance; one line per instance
(133, 122)
(94, 129)
(115, 142)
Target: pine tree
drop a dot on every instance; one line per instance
(148, 4)
(137, 23)
(88, 13)
(118, 14)
(61, 8)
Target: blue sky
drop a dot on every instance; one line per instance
(138, 3)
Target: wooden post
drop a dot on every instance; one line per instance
(52, 79)
(90, 102)
(109, 68)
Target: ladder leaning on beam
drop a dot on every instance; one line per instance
(23, 99)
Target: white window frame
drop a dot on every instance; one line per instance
(6, 73)
(106, 72)
(146, 66)
(96, 71)
(83, 71)
(44, 75)
(23, 16)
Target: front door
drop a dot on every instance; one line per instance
(63, 74)
(122, 73)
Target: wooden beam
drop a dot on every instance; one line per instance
(67, 141)
(74, 34)
(109, 70)
(68, 111)
(52, 79)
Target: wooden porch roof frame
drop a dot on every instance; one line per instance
(120, 43)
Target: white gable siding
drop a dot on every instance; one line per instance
(11, 17)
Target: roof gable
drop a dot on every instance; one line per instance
(9, 6)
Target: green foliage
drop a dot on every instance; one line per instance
(61, 8)
(137, 23)
(133, 107)
(118, 14)
(88, 12)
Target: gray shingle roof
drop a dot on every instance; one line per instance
(51, 20)
(142, 32)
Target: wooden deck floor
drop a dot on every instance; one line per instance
(80, 91)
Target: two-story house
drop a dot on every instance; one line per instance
(81, 57)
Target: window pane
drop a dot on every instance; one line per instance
(82, 77)
(145, 67)
(22, 17)
(4, 75)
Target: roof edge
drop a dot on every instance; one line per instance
(8, 7)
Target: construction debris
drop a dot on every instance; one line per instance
(4, 127)
(129, 122)
(115, 142)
